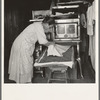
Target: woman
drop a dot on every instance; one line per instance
(21, 59)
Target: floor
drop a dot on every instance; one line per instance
(88, 73)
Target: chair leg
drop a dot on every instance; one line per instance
(43, 72)
(74, 71)
(49, 77)
(66, 76)
(79, 61)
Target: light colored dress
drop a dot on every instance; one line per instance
(21, 59)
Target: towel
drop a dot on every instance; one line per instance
(57, 50)
(83, 20)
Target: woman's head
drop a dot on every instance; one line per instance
(48, 20)
(47, 23)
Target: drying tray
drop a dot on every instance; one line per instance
(49, 61)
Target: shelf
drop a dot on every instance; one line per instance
(36, 20)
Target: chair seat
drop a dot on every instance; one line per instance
(58, 68)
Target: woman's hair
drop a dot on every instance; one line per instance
(48, 20)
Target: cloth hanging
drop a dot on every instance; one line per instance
(90, 18)
(92, 50)
(91, 32)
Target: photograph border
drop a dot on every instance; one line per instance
(1, 29)
(0, 52)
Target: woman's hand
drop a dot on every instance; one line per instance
(49, 43)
